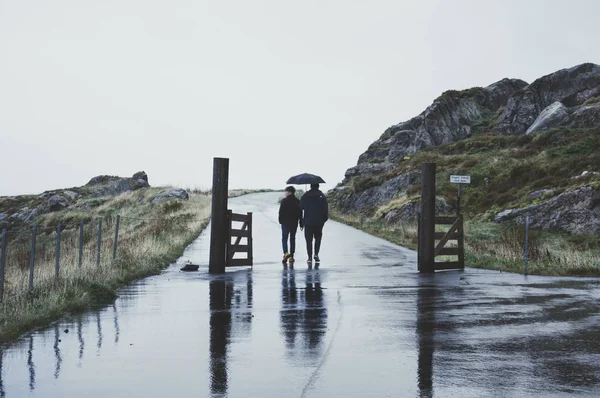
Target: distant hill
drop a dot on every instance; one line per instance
(18, 211)
(531, 149)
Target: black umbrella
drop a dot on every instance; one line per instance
(305, 179)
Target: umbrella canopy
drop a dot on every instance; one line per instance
(305, 179)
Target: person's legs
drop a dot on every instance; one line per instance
(284, 238)
(293, 241)
(308, 235)
(318, 231)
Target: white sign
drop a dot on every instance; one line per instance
(460, 179)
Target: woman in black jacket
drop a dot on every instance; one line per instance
(290, 216)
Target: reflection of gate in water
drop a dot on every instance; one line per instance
(230, 310)
(426, 324)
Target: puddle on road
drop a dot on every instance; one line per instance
(356, 327)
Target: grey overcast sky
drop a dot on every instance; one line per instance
(280, 87)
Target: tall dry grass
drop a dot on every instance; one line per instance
(150, 237)
(501, 247)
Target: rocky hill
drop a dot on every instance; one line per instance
(532, 149)
(18, 211)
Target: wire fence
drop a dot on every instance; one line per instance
(69, 246)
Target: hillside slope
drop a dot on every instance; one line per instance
(530, 149)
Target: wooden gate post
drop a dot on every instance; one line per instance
(427, 219)
(218, 230)
(250, 242)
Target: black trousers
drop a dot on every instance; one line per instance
(313, 232)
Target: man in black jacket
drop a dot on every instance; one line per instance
(315, 214)
(289, 217)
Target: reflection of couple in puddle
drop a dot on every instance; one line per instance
(303, 316)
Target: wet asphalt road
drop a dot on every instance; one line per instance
(364, 324)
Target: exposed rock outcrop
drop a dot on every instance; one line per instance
(25, 214)
(576, 211)
(53, 203)
(367, 170)
(451, 117)
(109, 185)
(172, 194)
(572, 87)
(586, 116)
(409, 211)
(369, 199)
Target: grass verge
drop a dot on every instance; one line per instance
(501, 247)
(151, 236)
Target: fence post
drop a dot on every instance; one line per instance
(2, 263)
(526, 253)
(80, 243)
(99, 240)
(57, 250)
(32, 259)
(116, 238)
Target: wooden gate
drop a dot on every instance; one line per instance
(245, 231)
(454, 233)
(441, 239)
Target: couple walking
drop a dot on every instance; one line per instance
(311, 213)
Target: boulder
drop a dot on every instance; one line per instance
(140, 175)
(586, 116)
(540, 193)
(52, 204)
(586, 174)
(576, 211)
(70, 194)
(172, 194)
(554, 115)
(3, 216)
(25, 214)
(98, 180)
